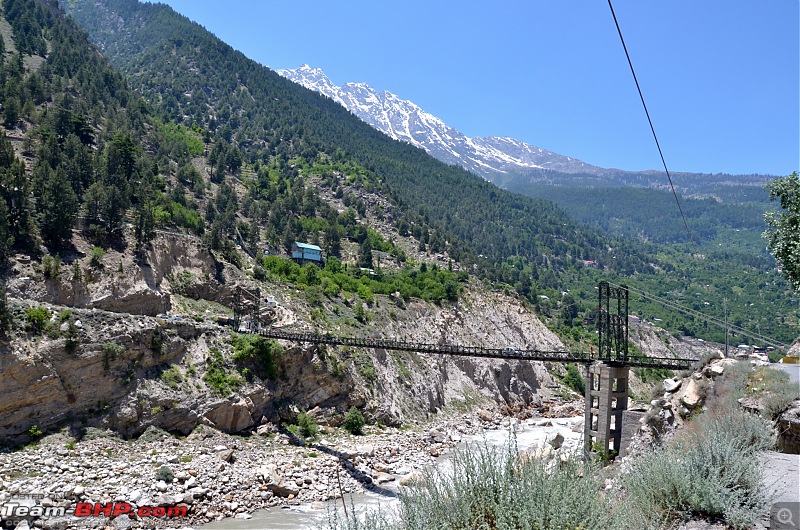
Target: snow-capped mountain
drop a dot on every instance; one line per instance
(401, 119)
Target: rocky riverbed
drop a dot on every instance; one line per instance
(216, 475)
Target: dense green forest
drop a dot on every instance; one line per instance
(101, 154)
(652, 215)
(64, 107)
(719, 186)
(263, 118)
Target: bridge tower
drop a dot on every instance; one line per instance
(607, 380)
(240, 309)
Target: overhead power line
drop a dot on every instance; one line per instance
(711, 320)
(647, 113)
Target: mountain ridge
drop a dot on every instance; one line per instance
(508, 162)
(406, 121)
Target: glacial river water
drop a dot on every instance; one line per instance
(528, 436)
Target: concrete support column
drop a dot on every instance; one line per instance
(606, 400)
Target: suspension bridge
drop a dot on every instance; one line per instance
(473, 351)
(607, 367)
(612, 337)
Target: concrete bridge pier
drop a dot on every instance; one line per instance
(606, 401)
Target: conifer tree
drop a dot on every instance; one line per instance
(57, 207)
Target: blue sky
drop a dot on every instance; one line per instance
(721, 77)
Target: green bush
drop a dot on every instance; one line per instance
(218, 377)
(778, 400)
(36, 319)
(165, 473)
(354, 421)
(34, 432)
(51, 267)
(307, 426)
(775, 390)
(96, 260)
(574, 379)
(261, 354)
(172, 376)
(711, 472)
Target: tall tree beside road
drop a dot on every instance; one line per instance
(783, 234)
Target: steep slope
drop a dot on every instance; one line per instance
(282, 140)
(194, 78)
(113, 312)
(403, 120)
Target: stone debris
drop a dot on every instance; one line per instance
(218, 475)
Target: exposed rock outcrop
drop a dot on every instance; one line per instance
(788, 427)
(130, 371)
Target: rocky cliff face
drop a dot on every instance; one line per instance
(127, 370)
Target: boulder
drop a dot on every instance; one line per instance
(275, 483)
(556, 441)
(671, 385)
(226, 455)
(693, 395)
(231, 417)
(717, 368)
(383, 478)
(412, 480)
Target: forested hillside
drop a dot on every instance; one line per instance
(69, 127)
(258, 118)
(260, 124)
(619, 210)
(81, 147)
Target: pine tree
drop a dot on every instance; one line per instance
(57, 207)
(333, 241)
(365, 255)
(145, 218)
(6, 318)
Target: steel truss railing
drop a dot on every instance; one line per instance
(474, 351)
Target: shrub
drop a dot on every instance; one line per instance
(262, 354)
(574, 379)
(51, 267)
(307, 426)
(165, 473)
(712, 472)
(34, 432)
(96, 260)
(217, 376)
(354, 421)
(172, 376)
(496, 488)
(36, 319)
(779, 400)
(111, 352)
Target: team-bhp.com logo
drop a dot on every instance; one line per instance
(11, 510)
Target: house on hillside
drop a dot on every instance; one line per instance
(306, 253)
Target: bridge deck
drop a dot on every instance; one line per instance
(476, 351)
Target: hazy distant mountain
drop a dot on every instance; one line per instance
(403, 120)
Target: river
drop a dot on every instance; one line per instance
(529, 434)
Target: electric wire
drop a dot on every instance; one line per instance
(647, 113)
(697, 314)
